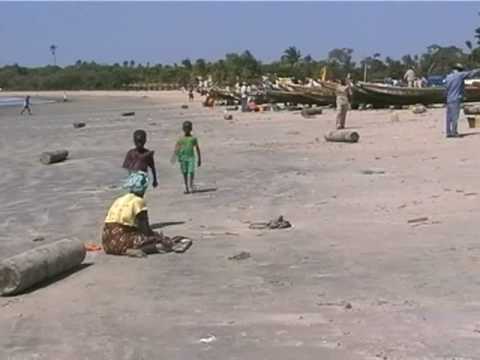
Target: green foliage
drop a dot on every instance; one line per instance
(234, 68)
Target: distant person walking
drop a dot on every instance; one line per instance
(190, 94)
(26, 105)
(410, 77)
(455, 92)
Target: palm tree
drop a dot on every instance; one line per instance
(53, 50)
(291, 55)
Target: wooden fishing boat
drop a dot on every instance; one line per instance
(297, 97)
(380, 95)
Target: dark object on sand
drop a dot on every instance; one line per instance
(38, 238)
(240, 256)
(131, 113)
(78, 125)
(308, 113)
(51, 157)
(471, 109)
(228, 117)
(417, 220)
(27, 269)
(232, 108)
(342, 136)
(184, 106)
(277, 223)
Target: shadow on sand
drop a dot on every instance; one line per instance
(165, 224)
(48, 282)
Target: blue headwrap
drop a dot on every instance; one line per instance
(137, 182)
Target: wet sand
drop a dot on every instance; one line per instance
(352, 280)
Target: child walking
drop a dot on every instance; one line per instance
(140, 158)
(185, 154)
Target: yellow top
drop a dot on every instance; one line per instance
(125, 209)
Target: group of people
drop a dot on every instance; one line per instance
(414, 81)
(127, 229)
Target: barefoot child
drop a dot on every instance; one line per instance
(185, 154)
(140, 158)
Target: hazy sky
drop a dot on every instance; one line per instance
(169, 32)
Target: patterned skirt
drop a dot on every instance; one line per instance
(117, 239)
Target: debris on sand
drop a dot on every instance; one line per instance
(309, 113)
(277, 223)
(38, 238)
(131, 113)
(240, 256)
(207, 340)
(45, 262)
(51, 157)
(419, 109)
(373, 172)
(347, 136)
(78, 125)
(184, 106)
(417, 220)
(228, 117)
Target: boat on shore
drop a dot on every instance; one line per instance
(381, 95)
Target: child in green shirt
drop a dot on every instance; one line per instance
(185, 154)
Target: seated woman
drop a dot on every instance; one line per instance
(127, 230)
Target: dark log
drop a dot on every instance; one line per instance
(51, 157)
(308, 113)
(131, 113)
(342, 136)
(78, 125)
(25, 270)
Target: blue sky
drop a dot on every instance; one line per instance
(159, 32)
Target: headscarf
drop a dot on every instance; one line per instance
(137, 182)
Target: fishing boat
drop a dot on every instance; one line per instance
(381, 95)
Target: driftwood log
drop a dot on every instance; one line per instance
(51, 157)
(471, 109)
(78, 125)
(25, 270)
(307, 113)
(342, 136)
(131, 113)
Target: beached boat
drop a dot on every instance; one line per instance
(380, 95)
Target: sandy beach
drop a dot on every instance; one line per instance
(354, 279)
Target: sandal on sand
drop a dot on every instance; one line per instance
(181, 244)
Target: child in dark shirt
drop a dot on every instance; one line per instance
(140, 158)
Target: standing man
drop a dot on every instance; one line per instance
(244, 97)
(343, 93)
(455, 91)
(410, 77)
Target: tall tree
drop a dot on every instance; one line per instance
(291, 55)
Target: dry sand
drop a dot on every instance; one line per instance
(352, 280)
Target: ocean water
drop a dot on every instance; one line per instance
(18, 101)
(10, 101)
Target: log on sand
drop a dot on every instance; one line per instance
(25, 270)
(308, 113)
(342, 136)
(51, 157)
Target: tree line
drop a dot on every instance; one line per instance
(235, 67)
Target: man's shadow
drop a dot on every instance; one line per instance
(161, 225)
